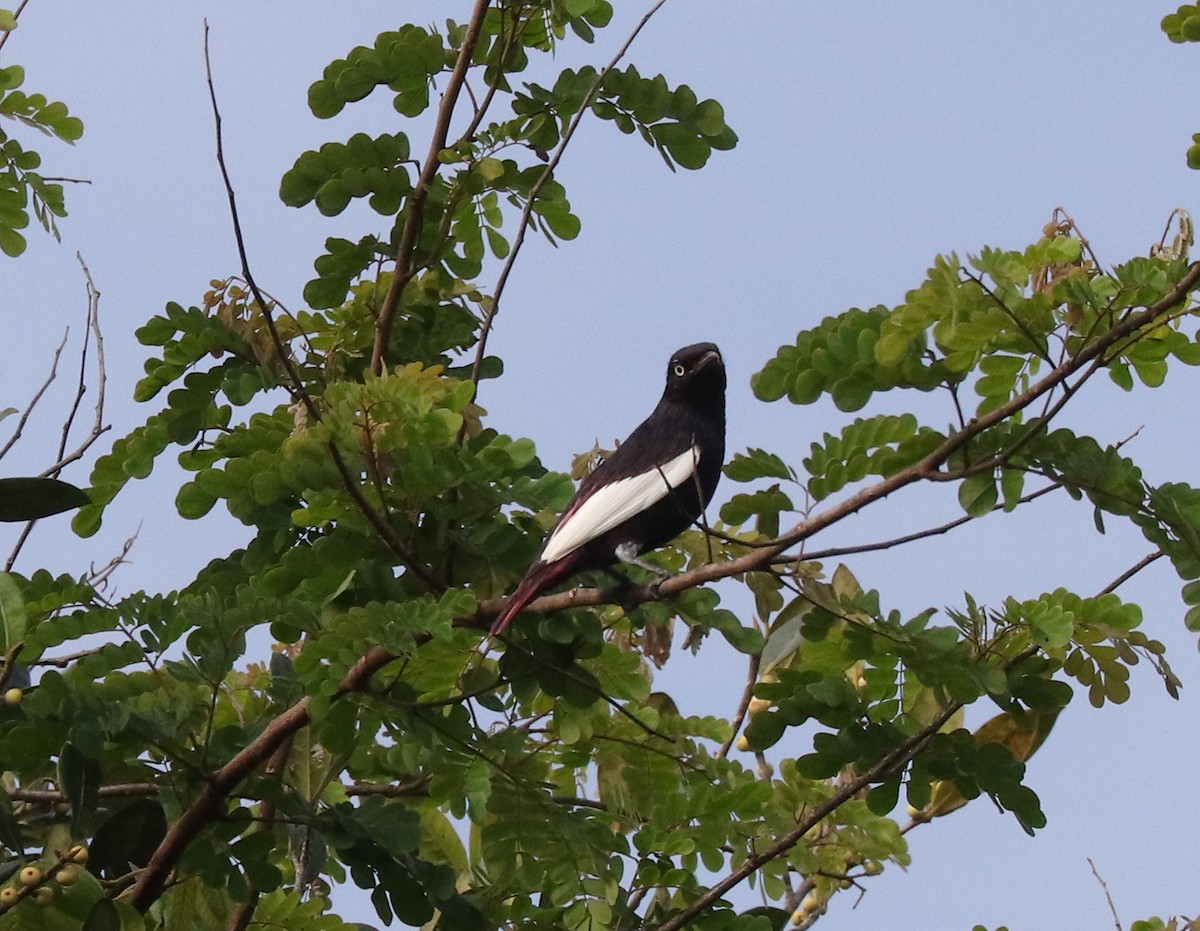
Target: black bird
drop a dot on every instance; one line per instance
(646, 493)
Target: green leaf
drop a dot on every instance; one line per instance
(757, 463)
(79, 779)
(12, 243)
(129, 836)
(12, 614)
(10, 831)
(978, 494)
(30, 498)
(103, 916)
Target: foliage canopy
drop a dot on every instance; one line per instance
(546, 784)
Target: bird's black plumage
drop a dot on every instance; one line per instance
(652, 488)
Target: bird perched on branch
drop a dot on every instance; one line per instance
(653, 487)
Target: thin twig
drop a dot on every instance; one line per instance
(743, 706)
(92, 332)
(543, 178)
(888, 763)
(1131, 572)
(295, 385)
(1108, 898)
(16, 15)
(833, 552)
(37, 396)
(54, 796)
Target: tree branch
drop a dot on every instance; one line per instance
(897, 757)
(406, 250)
(221, 782)
(761, 557)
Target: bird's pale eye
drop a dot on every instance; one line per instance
(679, 369)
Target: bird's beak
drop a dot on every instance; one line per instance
(711, 356)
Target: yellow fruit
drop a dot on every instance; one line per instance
(66, 876)
(742, 743)
(78, 854)
(44, 895)
(9, 896)
(13, 697)
(30, 876)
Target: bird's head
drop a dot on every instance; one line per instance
(696, 373)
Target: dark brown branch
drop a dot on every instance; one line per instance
(222, 781)
(406, 265)
(243, 913)
(937, 531)
(53, 796)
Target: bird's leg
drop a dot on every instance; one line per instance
(628, 554)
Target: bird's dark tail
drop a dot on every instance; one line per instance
(539, 577)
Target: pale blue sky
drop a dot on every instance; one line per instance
(872, 138)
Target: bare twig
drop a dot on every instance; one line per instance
(37, 396)
(1108, 898)
(62, 458)
(833, 552)
(1131, 572)
(295, 385)
(743, 706)
(92, 332)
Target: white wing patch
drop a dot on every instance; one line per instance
(617, 502)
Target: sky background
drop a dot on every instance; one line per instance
(871, 140)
